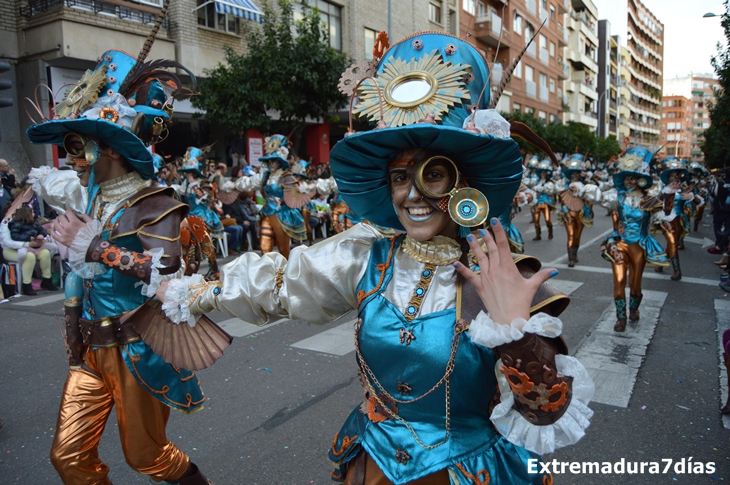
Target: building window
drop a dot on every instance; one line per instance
(552, 85)
(482, 10)
(552, 49)
(553, 118)
(529, 111)
(470, 6)
(208, 17)
(529, 73)
(330, 15)
(517, 24)
(518, 70)
(369, 43)
(542, 115)
(434, 13)
(529, 31)
(543, 42)
(552, 17)
(517, 107)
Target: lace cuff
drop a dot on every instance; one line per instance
(567, 430)
(156, 278)
(36, 175)
(484, 331)
(79, 247)
(181, 295)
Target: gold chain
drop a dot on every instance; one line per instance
(459, 327)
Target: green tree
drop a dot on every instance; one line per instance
(289, 67)
(716, 144)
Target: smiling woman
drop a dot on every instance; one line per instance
(437, 314)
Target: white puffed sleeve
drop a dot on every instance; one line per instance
(316, 284)
(591, 193)
(541, 439)
(609, 199)
(61, 189)
(251, 183)
(549, 188)
(326, 186)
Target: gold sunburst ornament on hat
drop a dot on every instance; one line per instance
(83, 94)
(413, 90)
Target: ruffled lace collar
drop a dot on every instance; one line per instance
(440, 250)
(122, 187)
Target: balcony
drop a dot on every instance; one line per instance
(488, 29)
(564, 37)
(530, 4)
(544, 56)
(564, 71)
(117, 8)
(531, 89)
(544, 17)
(544, 94)
(564, 6)
(531, 49)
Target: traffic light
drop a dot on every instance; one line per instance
(5, 101)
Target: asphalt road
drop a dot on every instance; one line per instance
(274, 404)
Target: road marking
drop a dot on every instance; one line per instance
(600, 237)
(612, 358)
(565, 286)
(238, 328)
(650, 275)
(722, 311)
(338, 340)
(40, 301)
(706, 243)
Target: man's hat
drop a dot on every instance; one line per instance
(634, 161)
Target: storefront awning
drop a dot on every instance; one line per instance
(244, 9)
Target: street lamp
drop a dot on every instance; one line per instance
(602, 119)
(710, 14)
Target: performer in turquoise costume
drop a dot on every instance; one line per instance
(193, 189)
(122, 231)
(427, 346)
(631, 247)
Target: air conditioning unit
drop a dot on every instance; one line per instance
(154, 3)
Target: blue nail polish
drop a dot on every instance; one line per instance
(494, 221)
(470, 238)
(483, 232)
(456, 265)
(554, 273)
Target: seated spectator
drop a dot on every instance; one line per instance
(245, 216)
(23, 240)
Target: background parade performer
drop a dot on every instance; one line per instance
(425, 346)
(122, 231)
(631, 247)
(544, 202)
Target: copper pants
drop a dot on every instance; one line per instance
(272, 232)
(614, 218)
(672, 236)
(634, 262)
(374, 475)
(574, 228)
(543, 209)
(339, 221)
(87, 401)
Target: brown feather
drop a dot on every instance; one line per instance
(525, 132)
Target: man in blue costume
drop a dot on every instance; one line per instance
(123, 235)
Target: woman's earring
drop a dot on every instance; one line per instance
(468, 207)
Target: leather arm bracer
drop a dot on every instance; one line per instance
(129, 263)
(74, 340)
(541, 395)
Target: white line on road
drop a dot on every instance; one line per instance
(612, 358)
(39, 301)
(648, 274)
(600, 237)
(706, 243)
(336, 341)
(722, 311)
(239, 328)
(565, 286)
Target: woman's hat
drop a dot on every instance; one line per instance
(575, 163)
(276, 148)
(545, 166)
(635, 161)
(431, 91)
(672, 164)
(194, 161)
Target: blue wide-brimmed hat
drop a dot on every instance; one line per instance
(429, 84)
(276, 148)
(575, 163)
(635, 161)
(673, 164)
(193, 161)
(545, 166)
(119, 103)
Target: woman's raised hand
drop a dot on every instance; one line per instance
(503, 290)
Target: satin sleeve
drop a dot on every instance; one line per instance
(61, 189)
(326, 186)
(317, 283)
(250, 183)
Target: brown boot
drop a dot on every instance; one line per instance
(537, 234)
(620, 325)
(726, 360)
(725, 259)
(677, 271)
(193, 476)
(550, 231)
(634, 302)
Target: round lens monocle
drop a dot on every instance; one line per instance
(442, 187)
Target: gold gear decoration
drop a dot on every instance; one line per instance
(83, 94)
(354, 74)
(446, 82)
(272, 145)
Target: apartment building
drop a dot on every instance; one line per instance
(677, 126)
(642, 34)
(53, 42)
(581, 56)
(501, 30)
(698, 89)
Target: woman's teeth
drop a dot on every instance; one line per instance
(419, 211)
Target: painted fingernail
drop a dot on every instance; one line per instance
(494, 221)
(554, 273)
(483, 232)
(470, 238)
(456, 265)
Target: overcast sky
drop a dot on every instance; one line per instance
(689, 40)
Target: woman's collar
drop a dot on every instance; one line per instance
(440, 250)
